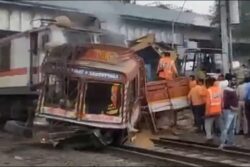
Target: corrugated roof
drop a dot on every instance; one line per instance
(114, 9)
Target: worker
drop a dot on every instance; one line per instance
(241, 123)
(247, 106)
(213, 107)
(166, 67)
(197, 98)
(230, 109)
(192, 82)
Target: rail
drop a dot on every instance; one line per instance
(231, 156)
(229, 148)
(170, 158)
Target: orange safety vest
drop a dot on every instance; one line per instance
(167, 64)
(214, 101)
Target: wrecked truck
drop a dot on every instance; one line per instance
(94, 87)
(104, 90)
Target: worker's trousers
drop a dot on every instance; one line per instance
(229, 120)
(241, 121)
(209, 122)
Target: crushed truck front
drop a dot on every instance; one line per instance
(92, 87)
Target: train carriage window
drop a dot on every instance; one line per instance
(5, 57)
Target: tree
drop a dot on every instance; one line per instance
(241, 30)
(215, 22)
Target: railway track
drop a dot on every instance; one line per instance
(231, 156)
(230, 148)
(171, 158)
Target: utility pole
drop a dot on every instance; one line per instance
(224, 35)
(229, 15)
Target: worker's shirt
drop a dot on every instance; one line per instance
(230, 98)
(213, 101)
(168, 67)
(197, 94)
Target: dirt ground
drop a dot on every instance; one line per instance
(185, 131)
(17, 151)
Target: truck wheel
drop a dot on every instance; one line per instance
(18, 128)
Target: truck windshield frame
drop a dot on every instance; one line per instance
(109, 109)
(62, 94)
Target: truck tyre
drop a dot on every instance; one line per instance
(18, 128)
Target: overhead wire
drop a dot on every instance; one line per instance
(179, 14)
(174, 20)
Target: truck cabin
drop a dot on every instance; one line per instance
(93, 82)
(208, 59)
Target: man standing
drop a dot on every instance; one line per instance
(213, 107)
(241, 122)
(197, 98)
(166, 67)
(229, 113)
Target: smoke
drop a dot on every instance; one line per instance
(57, 38)
(104, 10)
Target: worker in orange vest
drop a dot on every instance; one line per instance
(166, 67)
(213, 107)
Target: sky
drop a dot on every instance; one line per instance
(198, 6)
